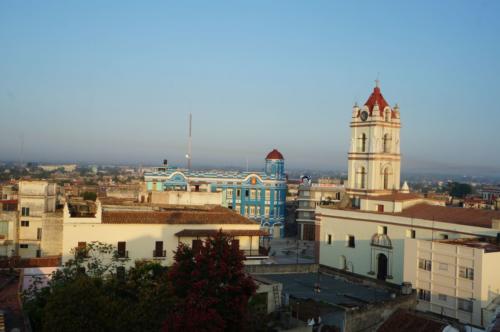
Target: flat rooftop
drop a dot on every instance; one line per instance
(334, 289)
(488, 244)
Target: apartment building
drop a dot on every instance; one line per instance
(39, 224)
(455, 278)
(8, 227)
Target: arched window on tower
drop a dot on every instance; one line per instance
(386, 143)
(386, 178)
(362, 178)
(363, 142)
(387, 115)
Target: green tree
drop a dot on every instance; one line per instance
(459, 190)
(89, 196)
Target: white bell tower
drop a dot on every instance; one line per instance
(374, 158)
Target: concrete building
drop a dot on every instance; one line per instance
(8, 228)
(260, 196)
(40, 224)
(146, 232)
(455, 278)
(310, 196)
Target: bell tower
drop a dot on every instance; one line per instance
(374, 158)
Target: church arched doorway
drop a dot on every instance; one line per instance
(381, 267)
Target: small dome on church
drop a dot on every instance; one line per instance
(275, 154)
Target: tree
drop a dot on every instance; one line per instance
(89, 196)
(459, 190)
(89, 295)
(211, 287)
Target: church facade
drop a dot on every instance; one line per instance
(368, 236)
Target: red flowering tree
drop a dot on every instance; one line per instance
(210, 286)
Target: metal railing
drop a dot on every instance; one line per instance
(122, 254)
(159, 253)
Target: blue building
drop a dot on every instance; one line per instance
(260, 196)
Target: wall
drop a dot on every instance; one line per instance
(281, 268)
(52, 233)
(340, 223)
(140, 238)
(186, 198)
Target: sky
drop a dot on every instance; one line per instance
(114, 81)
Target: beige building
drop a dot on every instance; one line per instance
(455, 278)
(145, 232)
(186, 197)
(39, 225)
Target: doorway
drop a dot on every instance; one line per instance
(382, 267)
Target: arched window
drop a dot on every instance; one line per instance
(386, 178)
(386, 142)
(362, 176)
(387, 116)
(363, 142)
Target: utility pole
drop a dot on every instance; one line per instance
(188, 155)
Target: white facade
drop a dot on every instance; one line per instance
(453, 278)
(367, 231)
(140, 237)
(374, 159)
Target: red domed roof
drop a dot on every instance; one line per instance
(275, 154)
(376, 98)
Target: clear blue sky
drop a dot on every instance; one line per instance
(114, 81)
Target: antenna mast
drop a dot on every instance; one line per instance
(188, 155)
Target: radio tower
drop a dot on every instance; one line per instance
(188, 155)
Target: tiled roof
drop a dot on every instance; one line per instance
(396, 197)
(176, 216)
(461, 216)
(406, 321)
(213, 232)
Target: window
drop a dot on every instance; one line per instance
(382, 230)
(38, 233)
(25, 223)
(252, 210)
(238, 193)
(238, 209)
(410, 233)
(122, 252)
(442, 297)
(363, 142)
(229, 193)
(197, 245)
(23, 246)
(351, 241)
(159, 252)
(268, 195)
(329, 240)
(466, 272)
(424, 295)
(443, 267)
(362, 178)
(465, 305)
(266, 211)
(424, 264)
(443, 236)
(25, 211)
(252, 194)
(246, 192)
(386, 179)
(120, 272)
(386, 140)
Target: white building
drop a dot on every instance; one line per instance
(145, 232)
(368, 236)
(455, 278)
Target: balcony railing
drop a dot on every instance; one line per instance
(159, 253)
(122, 254)
(256, 252)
